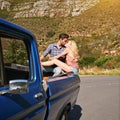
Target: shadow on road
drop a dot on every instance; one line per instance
(75, 113)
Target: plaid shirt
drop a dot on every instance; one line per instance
(53, 50)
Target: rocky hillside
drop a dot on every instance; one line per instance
(50, 8)
(93, 24)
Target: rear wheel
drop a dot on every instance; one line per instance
(64, 115)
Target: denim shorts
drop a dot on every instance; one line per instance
(74, 70)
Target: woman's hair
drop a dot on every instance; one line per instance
(74, 48)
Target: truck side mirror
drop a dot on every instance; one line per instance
(18, 86)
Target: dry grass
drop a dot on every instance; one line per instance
(99, 71)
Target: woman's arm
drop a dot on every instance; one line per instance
(61, 54)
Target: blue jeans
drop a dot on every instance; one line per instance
(74, 70)
(54, 69)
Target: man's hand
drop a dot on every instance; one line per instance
(41, 58)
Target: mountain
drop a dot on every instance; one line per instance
(93, 24)
(50, 8)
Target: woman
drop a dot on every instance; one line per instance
(72, 57)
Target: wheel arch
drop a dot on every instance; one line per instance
(64, 110)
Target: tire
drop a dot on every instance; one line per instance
(64, 115)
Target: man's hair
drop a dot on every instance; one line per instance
(63, 35)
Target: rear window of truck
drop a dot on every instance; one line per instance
(14, 60)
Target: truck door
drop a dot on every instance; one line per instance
(17, 64)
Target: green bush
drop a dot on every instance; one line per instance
(112, 63)
(102, 60)
(107, 62)
(4, 14)
(50, 34)
(117, 59)
(109, 65)
(85, 61)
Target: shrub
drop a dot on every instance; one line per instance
(116, 58)
(4, 14)
(50, 34)
(102, 60)
(88, 60)
(113, 63)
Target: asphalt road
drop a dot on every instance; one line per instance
(99, 99)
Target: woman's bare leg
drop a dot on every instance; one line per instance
(62, 65)
(57, 62)
(47, 63)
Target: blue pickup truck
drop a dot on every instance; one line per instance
(24, 94)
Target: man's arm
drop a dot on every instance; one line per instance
(46, 52)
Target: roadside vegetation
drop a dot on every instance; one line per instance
(96, 31)
(106, 65)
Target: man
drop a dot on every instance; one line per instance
(53, 50)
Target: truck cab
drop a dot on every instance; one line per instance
(23, 92)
